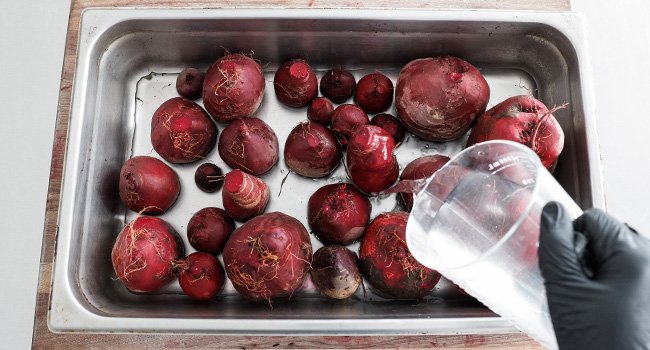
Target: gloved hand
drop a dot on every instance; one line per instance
(611, 310)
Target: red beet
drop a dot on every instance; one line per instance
(387, 264)
(439, 99)
(421, 168)
(390, 124)
(320, 111)
(148, 185)
(244, 196)
(189, 83)
(233, 88)
(268, 257)
(374, 93)
(209, 229)
(335, 271)
(201, 276)
(346, 118)
(181, 131)
(372, 166)
(522, 119)
(295, 83)
(145, 253)
(337, 85)
(208, 177)
(312, 150)
(249, 144)
(338, 213)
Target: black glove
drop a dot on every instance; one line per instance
(610, 310)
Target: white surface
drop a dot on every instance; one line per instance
(32, 41)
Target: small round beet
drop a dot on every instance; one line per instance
(421, 168)
(320, 111)
(335, 271)
(295, 83)
(337, 85)
(249, 144)
(209, 229)
(372, 165)
(387, 264)
(208, 177)
(201, 276)
(338, 213)
(312, 150)
(189, 83)
(346, 118)
(181, 131)
(244, 196)
(390, 124)
(374, 93)
(148, 185)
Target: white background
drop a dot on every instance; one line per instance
(32, 38)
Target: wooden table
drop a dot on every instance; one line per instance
(44, 338)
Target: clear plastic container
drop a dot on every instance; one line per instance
(477, 223)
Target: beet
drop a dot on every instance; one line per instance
(346, 118)
(295, 83)
(268, 257)
(201, 276)
(387, 264)
(320, 111)
(145, 253)
(189, 83)
(181, 131)
(209, 229)
(439, 99)
(244, 196)
(208, 177)
(374, 93)
(420, 168)
(522, 119)
(233, 88)
(338, 213)
(390, 124)
(249, 144)
(337, 85)
(148, 186)
(311, 150)
(335, 271)
(372, 166)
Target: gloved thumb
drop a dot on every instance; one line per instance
(557, 258)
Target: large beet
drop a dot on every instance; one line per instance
(420, 168)
(522, 119)
(268, 257)
(439, 99)
(372, 166)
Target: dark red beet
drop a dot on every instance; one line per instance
(244, 196)
(346, 118)
(372, 166)
(421, 168)
(268, 257)
(387, 264)
(392, 125)
(145, 253)
(320, 111)
(201, 276)
(208, 177)
(338, 213)
(337, 85)
(148, 186)
(189, 83)
(295, 83)
(181, 131)
(233, 88)
(209, 229)
(249, 144)
(335, 271)
(374, 93)
(312, 150)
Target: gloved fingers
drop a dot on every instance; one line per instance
(557, 258)
(606, 235)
